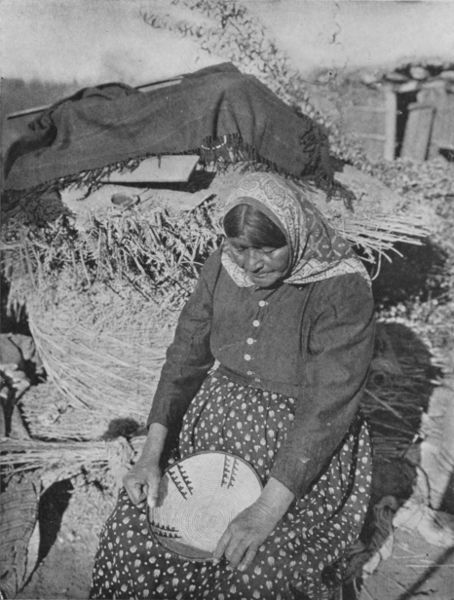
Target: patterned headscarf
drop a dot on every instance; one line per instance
(316, 251)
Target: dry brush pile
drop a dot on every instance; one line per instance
(102, 301)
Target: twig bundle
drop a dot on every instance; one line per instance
(30, 455)
(397, 394)
(377, 234)
(156, 255)
(66, 459)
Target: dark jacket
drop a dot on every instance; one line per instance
(313, 342)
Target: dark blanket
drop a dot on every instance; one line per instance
(113, 123)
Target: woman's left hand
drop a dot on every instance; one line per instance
(244, 535)
(248, 530)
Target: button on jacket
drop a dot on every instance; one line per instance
(313, 342)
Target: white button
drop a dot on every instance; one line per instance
(247, 357)
(263, 303)
(256, 323)
(250, 341)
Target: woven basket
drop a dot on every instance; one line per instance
(201, 495)
(103, 353)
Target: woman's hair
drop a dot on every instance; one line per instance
(244, 219)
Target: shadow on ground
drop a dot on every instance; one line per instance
(52, 505)
(399, 389)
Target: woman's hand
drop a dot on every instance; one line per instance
(242, 538)
(142, 483)
(244, 535)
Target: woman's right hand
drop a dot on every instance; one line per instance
(142, 481)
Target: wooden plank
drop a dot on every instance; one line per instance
(434, 94)
(418, 130)
(389, 151)
(28, 111)
(168, 169)
(443, 128)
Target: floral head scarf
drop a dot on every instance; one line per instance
(316, 251)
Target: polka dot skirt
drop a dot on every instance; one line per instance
(304, 556)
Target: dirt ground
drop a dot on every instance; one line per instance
(415, 569)
(72, 517)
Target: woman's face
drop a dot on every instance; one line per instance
(265, 266)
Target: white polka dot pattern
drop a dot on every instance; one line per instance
(304, 557)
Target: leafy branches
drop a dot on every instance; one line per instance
(226, 28)
(156, 255)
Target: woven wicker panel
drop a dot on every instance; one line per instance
(103, 353)
(18, 517)
(49, 415)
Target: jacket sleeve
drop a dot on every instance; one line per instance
(188, 358)
(338, 354)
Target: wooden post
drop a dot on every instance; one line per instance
(436, 94)
(389, 151)
(418, 130)
(153, 84)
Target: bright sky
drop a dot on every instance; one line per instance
(355, 33)
(87, 40)
(92, 41)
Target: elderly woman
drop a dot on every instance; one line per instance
(285, 308)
